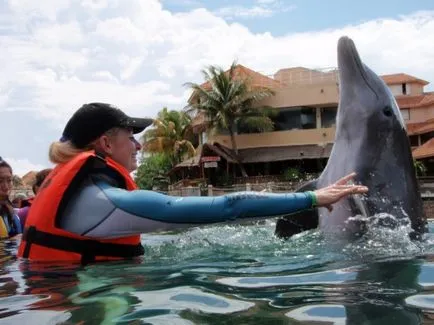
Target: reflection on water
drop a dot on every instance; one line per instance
(230, 275)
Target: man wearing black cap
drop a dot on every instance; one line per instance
(89, 208)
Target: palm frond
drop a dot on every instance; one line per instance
(257, 123)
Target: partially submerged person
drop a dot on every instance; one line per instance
(10, 225)
(26, 204)
(19, 200)
(39, 179)
(89, 207)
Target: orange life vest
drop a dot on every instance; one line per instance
(43, 240)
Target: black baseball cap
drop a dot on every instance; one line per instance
(92, 120)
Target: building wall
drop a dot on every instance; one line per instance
(279, 138)
(304, 136)
(416, 89)
(304, 95)
(412, 89)
(313, 92)
(421, 114)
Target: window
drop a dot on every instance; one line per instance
(426, 137)
(404, 89)
(405, 112)
(295, 118)
(414, 140)
(328, 116)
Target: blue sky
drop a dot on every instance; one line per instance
(137, 54)
(282, 17)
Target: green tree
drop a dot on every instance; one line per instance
(420, 168)
(171, 134)
(228, 101)
(153, 170)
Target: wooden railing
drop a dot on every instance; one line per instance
(426, 188)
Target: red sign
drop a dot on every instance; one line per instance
(210, 158)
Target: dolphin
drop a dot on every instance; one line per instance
(371, 140)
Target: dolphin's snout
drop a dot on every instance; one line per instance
(348, 57)
(350, 66)
(344, 41)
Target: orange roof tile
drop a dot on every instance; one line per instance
(424, 151)
(29, 178)
(428, 99)
(400, 78)
(420, 127)
(412, 127)
(407, 101)
(424, 128)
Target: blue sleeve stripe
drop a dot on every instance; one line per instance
(200, 210)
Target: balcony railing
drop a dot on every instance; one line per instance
(305, 77)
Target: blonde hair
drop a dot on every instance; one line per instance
(62, 152)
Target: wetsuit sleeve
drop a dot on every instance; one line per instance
(143, 211)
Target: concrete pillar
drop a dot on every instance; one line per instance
(318, 118)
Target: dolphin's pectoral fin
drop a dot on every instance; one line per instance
(300, 221)
(296, 223)
(358, 208)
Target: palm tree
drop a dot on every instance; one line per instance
(229, 101)
(171, 134)
(17, 181)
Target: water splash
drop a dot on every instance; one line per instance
(384, 236)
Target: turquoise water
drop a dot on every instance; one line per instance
(231, 274)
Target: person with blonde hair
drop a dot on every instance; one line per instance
(90, 209)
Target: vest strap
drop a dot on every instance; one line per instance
(88, 249)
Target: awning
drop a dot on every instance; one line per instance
(256, 155)
(222, 151)
(206, 149)
(424, 151)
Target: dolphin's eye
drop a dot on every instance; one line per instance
(387, 111)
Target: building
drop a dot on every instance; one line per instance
(307, 102)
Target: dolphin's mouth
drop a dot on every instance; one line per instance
(349, 63)
(359, 205)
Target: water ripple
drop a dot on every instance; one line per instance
(231, 274)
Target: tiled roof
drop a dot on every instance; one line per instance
(408, 101)
(416, 101)
(29, 178)
(400, 78)
(428, 99)
(425, 129)
(412, 127)
(424, 151)
(420, 127)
